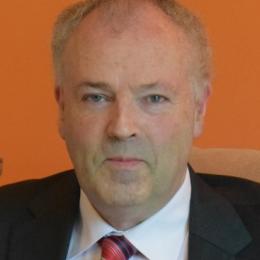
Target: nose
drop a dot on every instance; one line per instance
(123, 122)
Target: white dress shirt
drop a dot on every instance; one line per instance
(163, 236)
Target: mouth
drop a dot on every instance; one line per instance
(124, 162)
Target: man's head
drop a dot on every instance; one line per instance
(132, 80)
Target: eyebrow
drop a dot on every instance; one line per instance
(98, 85)
(150, 86)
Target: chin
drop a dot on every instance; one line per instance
(124, 195)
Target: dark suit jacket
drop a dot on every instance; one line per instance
(36, 218)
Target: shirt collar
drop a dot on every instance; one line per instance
(166, 228)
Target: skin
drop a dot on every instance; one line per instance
(127, 111)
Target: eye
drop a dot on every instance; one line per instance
(94, 98)
(156, 99)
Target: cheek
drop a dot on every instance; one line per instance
(172, 145)
(172, 126)
(81, 128)
(164, 130)
(83, 137)
(172, 138)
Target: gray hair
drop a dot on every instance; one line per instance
(71, 17)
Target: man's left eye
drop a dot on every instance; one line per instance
(156, 99)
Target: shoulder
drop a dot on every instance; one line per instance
(244, 196)
(16, 196)
(236, 190)
(229, 208)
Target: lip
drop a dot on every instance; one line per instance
(124, 162)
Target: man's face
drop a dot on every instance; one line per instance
(128, 113)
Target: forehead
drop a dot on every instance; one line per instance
(138, 17)
(127, 35)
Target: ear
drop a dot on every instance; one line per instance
(200, 111)
(59, 97)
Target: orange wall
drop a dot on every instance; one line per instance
(29, 142)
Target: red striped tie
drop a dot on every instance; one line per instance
(116, 248)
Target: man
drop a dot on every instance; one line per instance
(132, 81)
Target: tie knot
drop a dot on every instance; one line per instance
(116, 248)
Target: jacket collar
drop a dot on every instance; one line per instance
(216, 230)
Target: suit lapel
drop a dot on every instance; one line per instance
(216, 230)
(45, 227)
